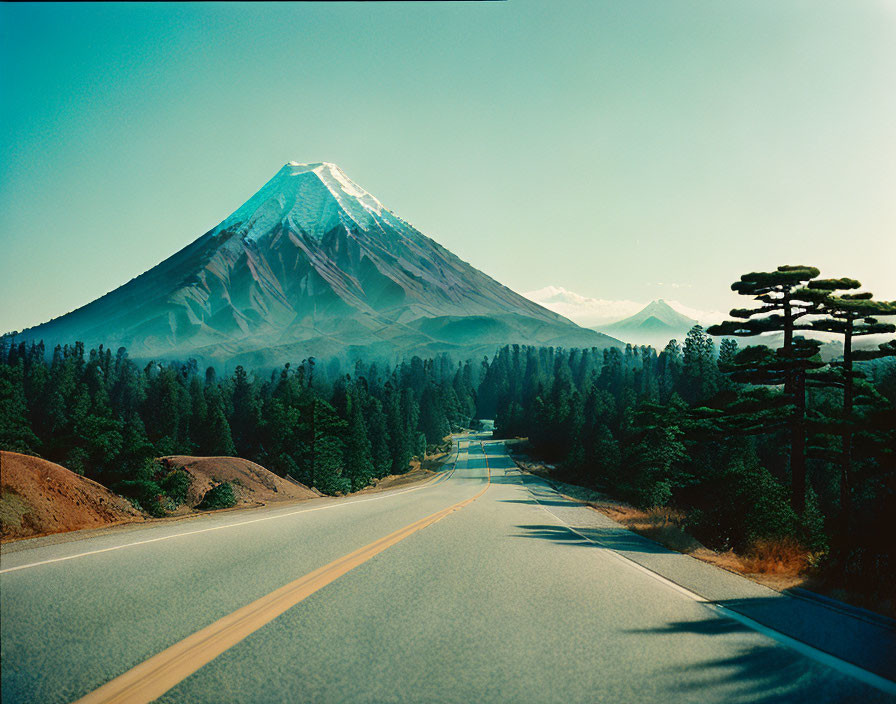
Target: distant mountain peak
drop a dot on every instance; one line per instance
(658, 313)
(655, 324)
(659, 304)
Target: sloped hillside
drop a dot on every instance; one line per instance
(252, 483)
(40, 497)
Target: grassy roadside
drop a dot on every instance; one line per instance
(418, 472)
(779, 565)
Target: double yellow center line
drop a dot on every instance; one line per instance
(152, 678)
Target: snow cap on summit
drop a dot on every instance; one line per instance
(313, 198)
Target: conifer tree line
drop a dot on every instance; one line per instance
(104, 416)
(763, 442)
(753, 443)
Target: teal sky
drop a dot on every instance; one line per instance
(605, 147)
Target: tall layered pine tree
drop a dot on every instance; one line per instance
(850, 315)
(780, 311)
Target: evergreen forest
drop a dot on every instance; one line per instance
(753, 442)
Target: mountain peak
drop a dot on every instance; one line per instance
(658, 312)
(311, 264)
(322, 169)
(313, 198)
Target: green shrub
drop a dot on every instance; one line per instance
(144, 494)
(220, 496)
(176, 485)
(769, 515)
(437, 447)
(333, 485)
(742, 505)
(655, 494)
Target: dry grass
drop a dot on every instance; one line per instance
(663, 525)
(418, 472)
(778, 564)
(772, 563)
(783, 557)
(728, 560)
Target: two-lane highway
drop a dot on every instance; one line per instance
(483, 585)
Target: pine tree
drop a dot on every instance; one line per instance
(852, 316)
(245, 418)
(380, 441)
(433, 422)
(358, 463)
(215, 438)
(327, 450)
(655, 450)
(699, 371)
(759, 413)
(669, 364)
(198, 415)
(781, 310)
(410, 419)
(165, 411)
(15, 431)
(727, 351)
(398, 431)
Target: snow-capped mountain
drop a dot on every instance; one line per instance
(311, 264)
(655, 324)
(589, 312)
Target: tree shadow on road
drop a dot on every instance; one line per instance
(763, 673)
(613, 538)
(767, 672)
(536, 503)
(869, 645)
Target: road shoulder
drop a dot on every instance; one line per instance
(862, 642)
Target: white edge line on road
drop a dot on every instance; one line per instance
(842, 666)
(228, 525)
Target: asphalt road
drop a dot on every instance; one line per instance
(517, 596)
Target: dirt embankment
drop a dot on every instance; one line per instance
(40, 497)
(252, 483)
